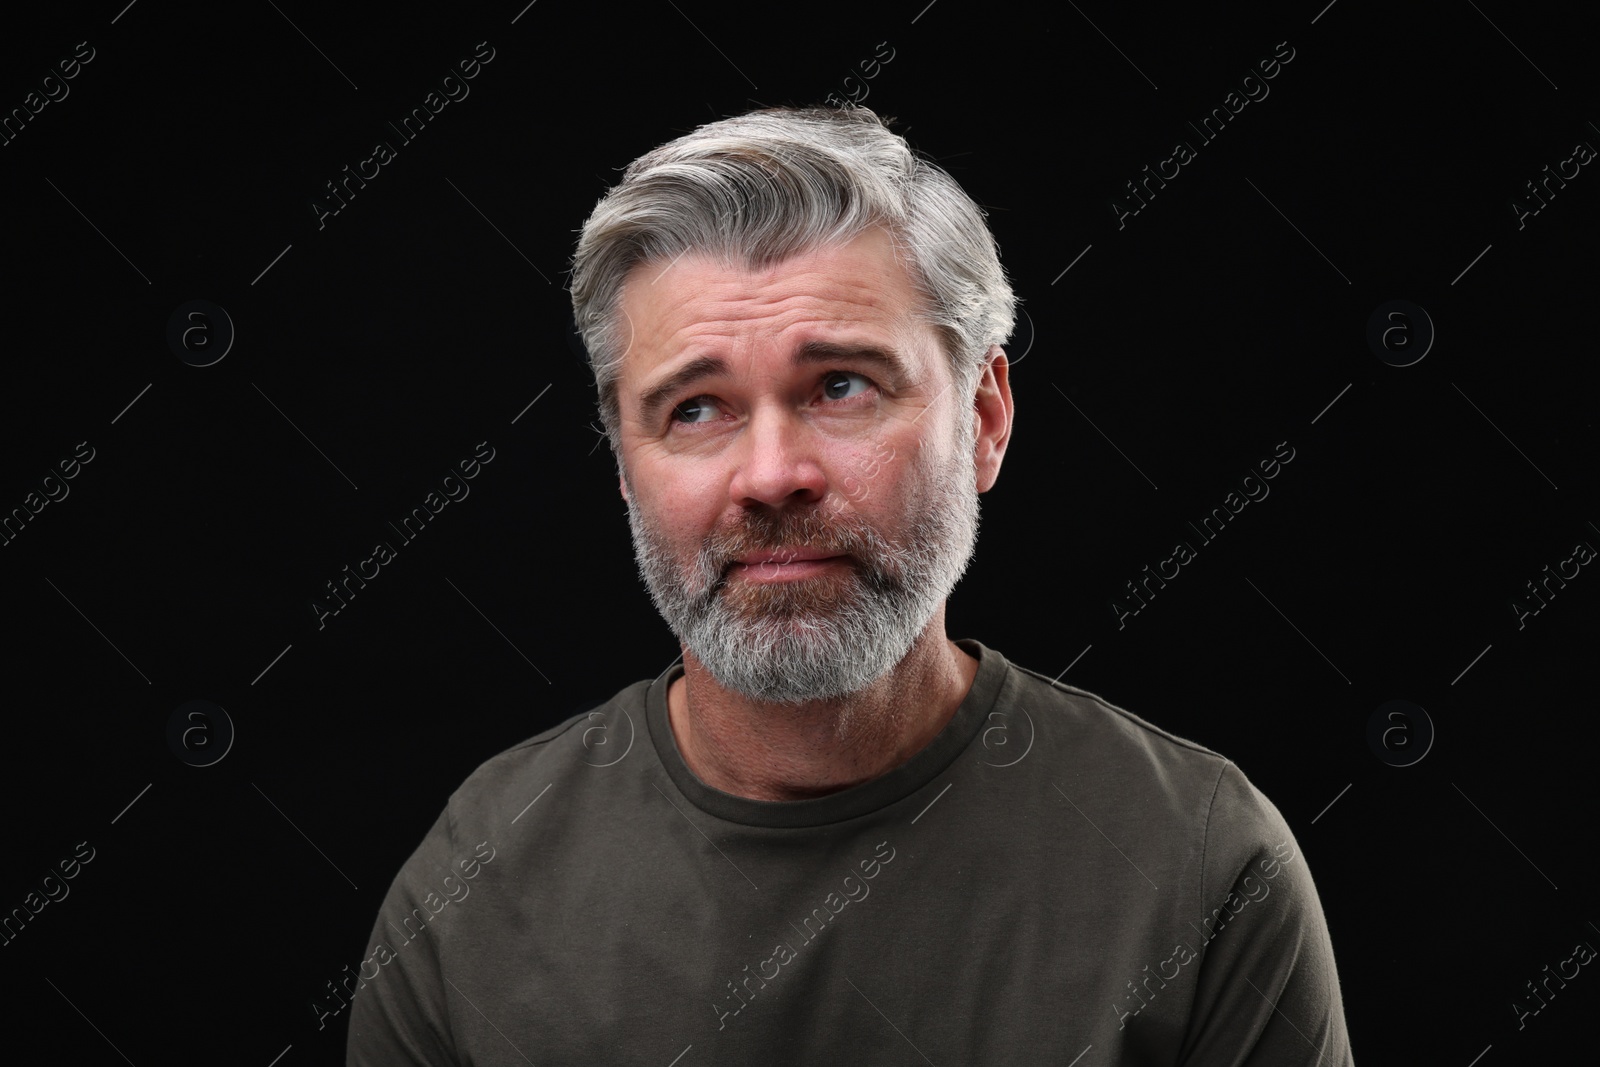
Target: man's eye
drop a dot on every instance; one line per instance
(692, 409)
(837, 384)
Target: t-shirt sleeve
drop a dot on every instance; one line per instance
(399, 1017)
(1268, 990)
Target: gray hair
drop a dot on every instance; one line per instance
(761, 187)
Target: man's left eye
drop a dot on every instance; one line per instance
(837, 384)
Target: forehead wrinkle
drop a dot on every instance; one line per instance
(811, 263)
(830, 301)
(782, 314)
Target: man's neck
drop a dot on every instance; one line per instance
(772, 752)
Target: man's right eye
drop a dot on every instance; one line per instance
(691, 410)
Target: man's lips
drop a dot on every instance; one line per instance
(784, 566)
(788, 555)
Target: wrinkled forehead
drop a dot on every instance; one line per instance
(853, 290)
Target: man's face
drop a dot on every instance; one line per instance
(798, 468)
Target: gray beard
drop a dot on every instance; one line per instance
(824, 637)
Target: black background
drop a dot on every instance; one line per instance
(381, 348)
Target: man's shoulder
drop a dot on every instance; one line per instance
(1094, 721)
(516, 776)
(1121, 760)
(1116, 754)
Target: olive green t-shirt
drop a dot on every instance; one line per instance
(1051, 880)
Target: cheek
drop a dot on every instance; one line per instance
(684, 508)
(884, 481)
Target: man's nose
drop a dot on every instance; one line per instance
(777, 461)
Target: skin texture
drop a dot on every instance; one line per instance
(771, 435)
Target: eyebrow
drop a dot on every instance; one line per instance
(658, 396)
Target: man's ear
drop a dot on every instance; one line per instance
(993, 410)
(622, 486)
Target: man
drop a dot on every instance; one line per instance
(832, 834)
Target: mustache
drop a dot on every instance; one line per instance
(776, 531)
